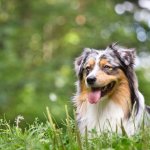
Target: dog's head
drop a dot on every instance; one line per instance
(101, 71)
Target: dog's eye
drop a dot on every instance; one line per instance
(108, 68)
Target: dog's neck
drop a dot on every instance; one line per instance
(105, 114)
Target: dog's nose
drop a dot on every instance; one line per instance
(91, 80)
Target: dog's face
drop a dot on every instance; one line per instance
(100, 72)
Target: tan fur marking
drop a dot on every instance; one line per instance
(82, 99)
(104, 62)
(104, 79)
(91, 62)
(84, 90)
(121, 93)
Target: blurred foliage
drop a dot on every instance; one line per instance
(40, 39)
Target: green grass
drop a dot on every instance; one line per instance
(43, 136)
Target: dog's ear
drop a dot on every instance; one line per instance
(128, 56)
(79, 61)
(125, 55)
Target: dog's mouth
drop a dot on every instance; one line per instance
(97, 93)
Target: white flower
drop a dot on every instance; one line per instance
(18, 120)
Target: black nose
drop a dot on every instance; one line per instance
(91, 80)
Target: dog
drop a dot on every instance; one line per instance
(107, 96)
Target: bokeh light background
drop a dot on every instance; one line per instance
(39, 40)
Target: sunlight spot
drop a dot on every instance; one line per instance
(53, 97)
(80, 20)
(128, 6)
(120, 9)
(141, 36)
(72, 38)
(125, 6)
(142, 15)
(144, 4)
(59, 82)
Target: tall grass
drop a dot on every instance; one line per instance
(43, 136)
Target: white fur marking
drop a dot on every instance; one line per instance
(105, 115)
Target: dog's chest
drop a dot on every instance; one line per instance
(102, 116)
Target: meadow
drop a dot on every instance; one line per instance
(39, 41)
(49, 135)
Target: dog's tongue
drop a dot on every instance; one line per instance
(94, 96)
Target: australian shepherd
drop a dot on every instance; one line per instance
(107, 96)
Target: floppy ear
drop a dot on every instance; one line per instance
(79, 61)
(127, 56)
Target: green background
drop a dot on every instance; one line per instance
(39, 40)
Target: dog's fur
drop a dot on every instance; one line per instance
(112, 101)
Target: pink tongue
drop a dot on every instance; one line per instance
(94, 96)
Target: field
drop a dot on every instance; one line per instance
(48, 135)
(39, 41)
